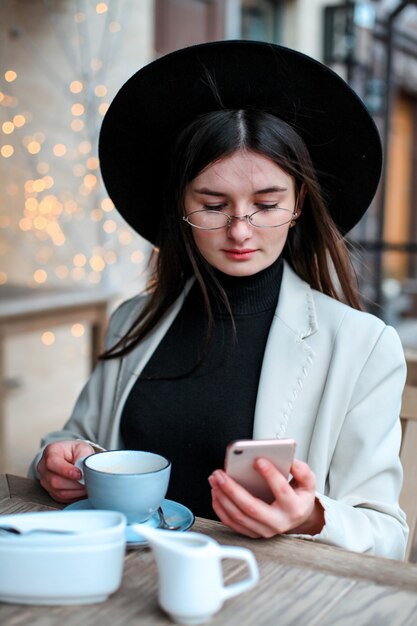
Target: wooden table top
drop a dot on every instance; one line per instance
(302, 583)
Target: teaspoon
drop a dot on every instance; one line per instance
(163, 523)
(23, 531)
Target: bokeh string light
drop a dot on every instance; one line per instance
(57, 223)
(55, 210)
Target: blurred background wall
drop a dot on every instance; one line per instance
(67, 258)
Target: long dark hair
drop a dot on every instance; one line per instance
(314, 249)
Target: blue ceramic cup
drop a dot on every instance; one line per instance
(132, 482)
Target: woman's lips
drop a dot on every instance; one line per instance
(239, 254)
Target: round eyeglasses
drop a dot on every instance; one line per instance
(208, 219)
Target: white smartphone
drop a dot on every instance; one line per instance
(240, 457)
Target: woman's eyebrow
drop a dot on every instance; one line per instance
(272, 190)
(212, 192)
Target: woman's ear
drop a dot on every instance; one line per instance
(300, 200)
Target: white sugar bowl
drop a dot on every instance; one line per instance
(82, 567)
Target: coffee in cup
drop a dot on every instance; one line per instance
(133, 482)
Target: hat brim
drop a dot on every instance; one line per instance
(162, 97)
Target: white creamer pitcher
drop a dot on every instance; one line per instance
(191, 587)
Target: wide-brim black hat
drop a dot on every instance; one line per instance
(162, 97)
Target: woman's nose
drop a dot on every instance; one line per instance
(239, 228)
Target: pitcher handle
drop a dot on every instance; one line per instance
(243, 554)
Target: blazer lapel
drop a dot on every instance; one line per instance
(288, 358)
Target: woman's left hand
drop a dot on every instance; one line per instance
(295, 508)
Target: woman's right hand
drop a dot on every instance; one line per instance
(57, 472)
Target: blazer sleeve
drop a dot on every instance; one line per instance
(92, 413)
(365, 474)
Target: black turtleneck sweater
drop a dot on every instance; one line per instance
(191, 417)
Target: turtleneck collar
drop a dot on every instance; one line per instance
(249, 295)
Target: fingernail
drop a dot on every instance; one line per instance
(75, 474)
(219, 478)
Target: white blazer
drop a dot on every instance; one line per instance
(332, 379)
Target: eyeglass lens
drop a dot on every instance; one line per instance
(265, 218)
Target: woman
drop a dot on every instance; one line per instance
(246, 163)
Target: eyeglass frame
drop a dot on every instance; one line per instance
(246, 217)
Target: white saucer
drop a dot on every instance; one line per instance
(175, 514)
